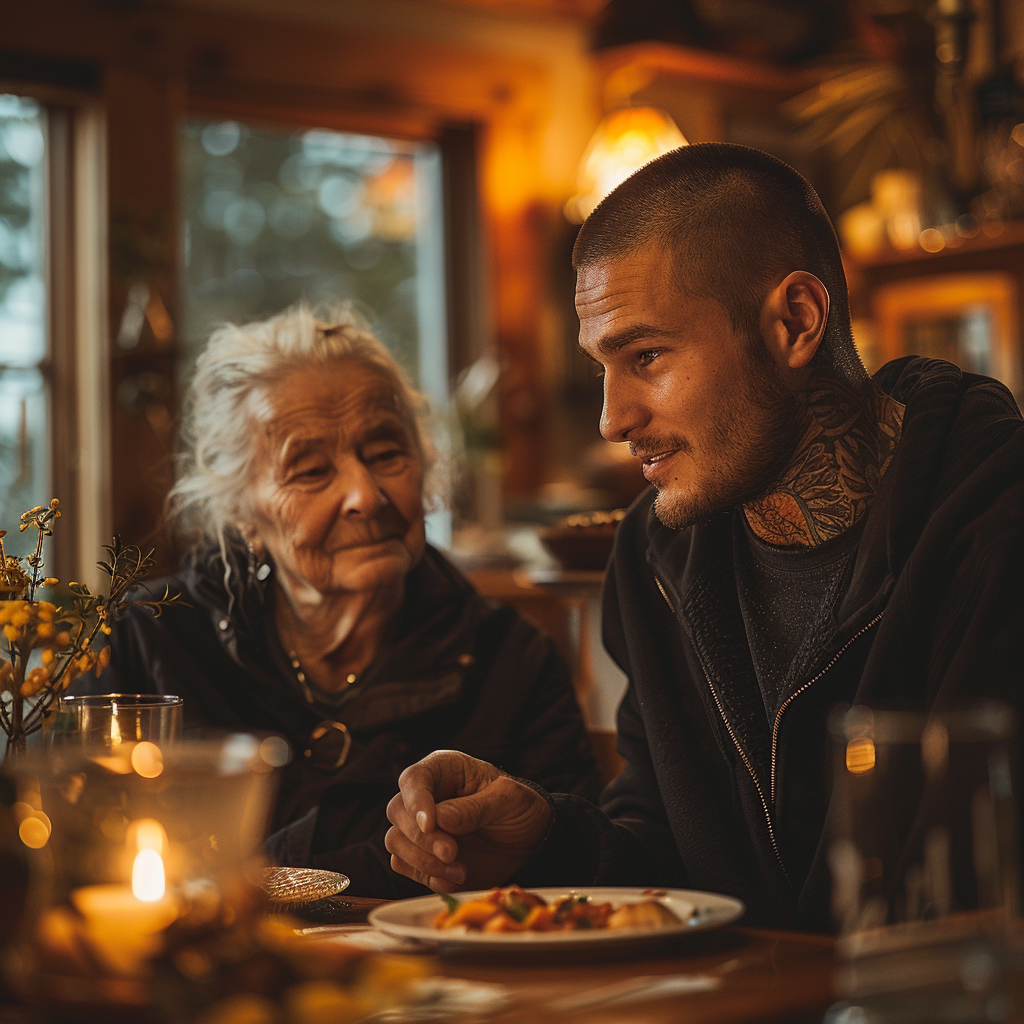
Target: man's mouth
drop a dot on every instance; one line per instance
(654, 465)
(650, 460)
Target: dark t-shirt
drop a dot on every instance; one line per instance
(788, 597)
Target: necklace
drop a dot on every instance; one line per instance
(300, 675)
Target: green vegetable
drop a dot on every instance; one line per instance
(450, 902)
(517, 911)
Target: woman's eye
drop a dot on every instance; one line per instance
(309, 472)
(383, 457)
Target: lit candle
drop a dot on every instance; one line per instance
(123, 924)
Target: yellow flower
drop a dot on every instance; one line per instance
(12, 633)
(44, 630)
(50, 581)
(34, 682)
(54, 503)
(48, 656)
(63, 638)
(104, 659)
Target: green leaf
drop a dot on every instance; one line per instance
(450, 902)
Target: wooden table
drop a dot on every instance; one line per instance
(765, 976)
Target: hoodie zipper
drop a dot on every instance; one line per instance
(737, 745)
(793, 696)
(778, 720)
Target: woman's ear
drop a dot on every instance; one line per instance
(793, 318)
(251, 540)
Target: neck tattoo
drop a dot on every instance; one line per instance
(834, 472)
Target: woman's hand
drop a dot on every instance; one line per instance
(499, 822)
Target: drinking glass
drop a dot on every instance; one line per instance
(923, 854)
(110, 719)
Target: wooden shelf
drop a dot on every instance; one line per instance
(684, 63)
(1009, 234)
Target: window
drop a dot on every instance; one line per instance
(54, 430)
(25, 385)
(271, 216)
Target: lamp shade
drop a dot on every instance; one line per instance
(623, 142)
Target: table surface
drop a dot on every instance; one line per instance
(765, 976)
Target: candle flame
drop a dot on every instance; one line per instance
(147, 834)
(115, 726)
(148, 883)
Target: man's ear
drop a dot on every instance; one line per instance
(793, 318)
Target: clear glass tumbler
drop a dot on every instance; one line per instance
(923, 855)
(111, 719)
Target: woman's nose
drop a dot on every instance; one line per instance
(361, 495)
(622, 413)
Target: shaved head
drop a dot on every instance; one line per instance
(734, 222)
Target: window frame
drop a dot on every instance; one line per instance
(75, 369)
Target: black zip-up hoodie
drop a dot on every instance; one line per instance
(933, 618)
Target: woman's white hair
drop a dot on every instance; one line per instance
(208, 502)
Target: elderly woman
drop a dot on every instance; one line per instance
(317, 608)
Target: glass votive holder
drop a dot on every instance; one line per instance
(125, 845)
(111, 719)
(923, 854)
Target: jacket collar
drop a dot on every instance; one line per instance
(423, 665)
(952, 422)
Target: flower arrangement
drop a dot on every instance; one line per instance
(64, 637)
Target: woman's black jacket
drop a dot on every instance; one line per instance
(457, 671)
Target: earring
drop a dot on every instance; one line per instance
(258, 570)
(252, 560)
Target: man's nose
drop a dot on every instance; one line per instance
(622, 413)
(360, 494)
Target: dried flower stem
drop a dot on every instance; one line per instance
(28, 624)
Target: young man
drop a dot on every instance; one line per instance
(813, 536)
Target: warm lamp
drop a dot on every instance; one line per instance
(623, 142)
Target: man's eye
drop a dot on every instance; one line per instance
(647, 356)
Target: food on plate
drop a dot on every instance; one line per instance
(512, 909)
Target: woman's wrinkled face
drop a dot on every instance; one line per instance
(337, 486)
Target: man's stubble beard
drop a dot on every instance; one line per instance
(746, 451)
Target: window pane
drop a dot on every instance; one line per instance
(24, 444)
(24, 414)
(272, 216)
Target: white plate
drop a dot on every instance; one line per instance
(697, 911)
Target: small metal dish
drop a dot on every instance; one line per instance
(296, 887)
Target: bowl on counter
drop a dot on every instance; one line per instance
(582, 542)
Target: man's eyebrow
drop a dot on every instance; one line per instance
(609, 344)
